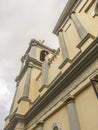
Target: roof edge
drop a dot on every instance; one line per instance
(70, 6)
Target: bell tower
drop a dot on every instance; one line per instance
(27, 88)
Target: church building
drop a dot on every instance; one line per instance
(58, 89)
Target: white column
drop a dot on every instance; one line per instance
(44, 78)
(33, 51)
(63, 46)
(80, 29)
(72, 114)
(27, 83)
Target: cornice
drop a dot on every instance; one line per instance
(30, 62)
(70, 6)
(34, 42)
(14, 120)
(68, 99)
(37, 43)
(75, 69)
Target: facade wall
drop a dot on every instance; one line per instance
(19, 93)
(60, 117)
(87, 104)
(74, 96)
(54, 71)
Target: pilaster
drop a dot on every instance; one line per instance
(27, 81)
(79, 27)
(44, 78)
(63, 46)
(72, 113)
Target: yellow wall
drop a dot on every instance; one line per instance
(60, 117)
(87, 109)
(53, 69)
(19, 92)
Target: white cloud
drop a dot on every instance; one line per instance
(5, 100)
(20, 21)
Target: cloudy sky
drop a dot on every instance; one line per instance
(21, 21)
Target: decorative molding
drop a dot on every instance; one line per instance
(67, 27)
(30, 62)
(8, 117)
(68, 99)
(89, 6)
(34, 42)
(14, 120)
(42, 87)
(85, 39)
(84, 4)
(70, 6)
(40, 123)
(64, 62)
(24, 98)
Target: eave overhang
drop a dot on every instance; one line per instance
(70, 6)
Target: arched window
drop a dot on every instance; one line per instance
(55, 126)
(43, 54)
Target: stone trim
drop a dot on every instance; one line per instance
(34, 42)
(30, 62)
(64, 62)
(24, 98)
(8, 117)
(14, 120)
(85, 39)
(42, 87)
(70, 6)
(39, 123)
(68, 99)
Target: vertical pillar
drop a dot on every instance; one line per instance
(44, 78)
(27, 83)
(80, 29)
(72, 114)
(32, 51)
(63, 46)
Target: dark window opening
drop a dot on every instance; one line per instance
(43, 54)
(55, 128)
